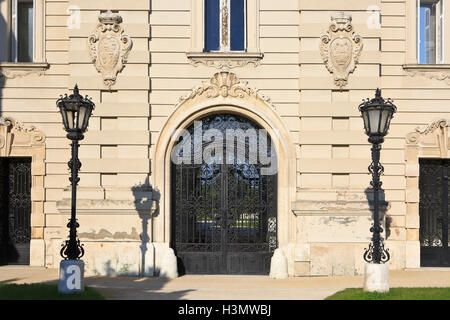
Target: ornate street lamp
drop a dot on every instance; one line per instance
(377, 115)
(76, 111)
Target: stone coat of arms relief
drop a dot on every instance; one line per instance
(109, 47)
(340, 48)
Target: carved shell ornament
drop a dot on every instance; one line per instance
(225, 84)
(341, 48)
(109, 47)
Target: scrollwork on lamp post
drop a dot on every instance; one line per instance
(377, 115)
(76, 111)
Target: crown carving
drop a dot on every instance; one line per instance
(341, 21)
(109, 17)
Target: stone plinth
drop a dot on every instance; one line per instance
(169, 268)
(376, 277)
(279, 265)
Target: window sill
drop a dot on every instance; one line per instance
(11, 70)
(427, 67)
(227, 60)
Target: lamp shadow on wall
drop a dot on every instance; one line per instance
(146, 201)
(383, 207)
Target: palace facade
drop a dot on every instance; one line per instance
(293, 71)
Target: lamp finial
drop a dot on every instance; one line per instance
(378, 93)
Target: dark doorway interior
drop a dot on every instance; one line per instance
(434, 212)
(15, 210)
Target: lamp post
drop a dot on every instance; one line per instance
(75, 111)
(377, 114)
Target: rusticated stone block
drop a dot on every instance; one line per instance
(302, 269)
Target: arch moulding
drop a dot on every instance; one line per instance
(224, 93)
(18, 140)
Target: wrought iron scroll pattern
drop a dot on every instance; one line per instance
(430, 206)
(19, 201)
(223, 209)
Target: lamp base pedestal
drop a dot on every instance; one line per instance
(71, 276)
(376, 277)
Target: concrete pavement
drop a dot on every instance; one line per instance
(217, 287)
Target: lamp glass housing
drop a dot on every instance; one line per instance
(75, 111)
(377, 115)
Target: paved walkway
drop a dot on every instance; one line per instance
(227, 287)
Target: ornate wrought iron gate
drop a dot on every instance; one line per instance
(434, 212)
(224, 215)
(15, 210)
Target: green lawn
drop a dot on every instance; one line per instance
(43, 292)
(394, 294)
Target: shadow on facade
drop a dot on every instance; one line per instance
(383, 207)
(146, 201)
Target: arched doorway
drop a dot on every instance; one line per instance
(224, 207)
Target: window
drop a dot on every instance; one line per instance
(225, 25)
(22, 31)
(430, 22)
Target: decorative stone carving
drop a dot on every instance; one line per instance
(432, 139)
(441, 123)
(224, 27)
(5, 137)
(225, 84)
(12, 70)
(225, 60)
(17, 134)
(416, 137)
(109, 47)
(434, 72)
(441, 76)
(340, 48)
